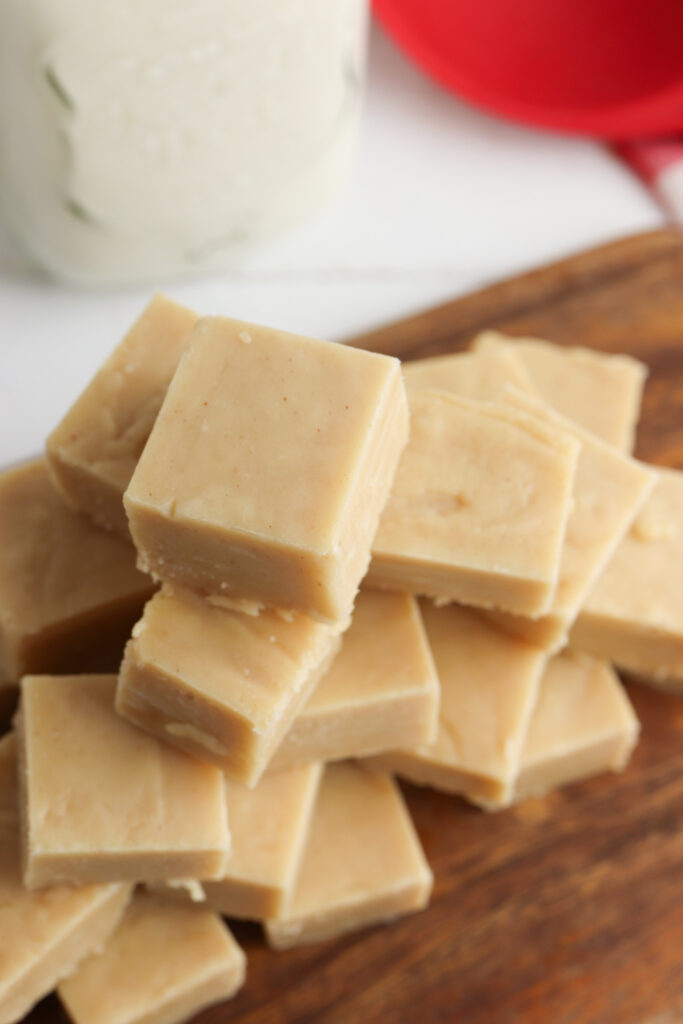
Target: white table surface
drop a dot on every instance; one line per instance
(442, 199)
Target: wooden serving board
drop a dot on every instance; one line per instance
(567, 909)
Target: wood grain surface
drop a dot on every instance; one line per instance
(567, 909)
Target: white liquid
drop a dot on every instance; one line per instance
(145, 138)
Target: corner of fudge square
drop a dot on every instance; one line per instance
(268, 467)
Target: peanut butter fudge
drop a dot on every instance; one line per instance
(634, 613)
(609, 489)
(101, 800)
(267, 468)
(94, 450)
(221, 684)
(481, 376)
(269, 826)
(479, 506)
(163, 964)
(381, 692)
(69, 592)
(362, 863)
(600, 392)
(583, 724)
(44, 935)
(489, 684)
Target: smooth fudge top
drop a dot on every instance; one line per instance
(272, 457)
(106, 428)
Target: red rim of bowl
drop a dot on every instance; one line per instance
(658, 113)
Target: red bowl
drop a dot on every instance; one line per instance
(612, 68)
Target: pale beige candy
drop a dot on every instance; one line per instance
(268, 826)
(481, 376)
(93, 451)
(180, 890)
(609, 489)
(43, 935)
(634, 613)
(362, 863)
(220, 684)
(103, 801)
(163, 964)
(479, 506)
(69, 593)
(381, 692)
(599, 391)
(268, 467)
(583, 724)
(489, 684)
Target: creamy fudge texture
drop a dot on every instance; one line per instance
(609, 489)
(221, 684)
(269, 826)
(101, 800)
(93, 451)
(362, 863)
(44, 935)
(634, 613)
(380, 693)
(600, 392)
(69, 592)
(163, 964)
(482, 375)
(267, 468)
(479, 506)
(489, 684)
(583, 723)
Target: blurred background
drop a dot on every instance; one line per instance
(441, 198)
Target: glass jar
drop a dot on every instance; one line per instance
(147, 138)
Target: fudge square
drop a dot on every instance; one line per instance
(362, 863)
(489, 686)
(103, 801)
(164, 963)
(218, 683)
(583, 724)
(634, 614)
(93, 451)
(268, 826)
(479, 507)
(268, 466)
(43, 934)
(598, 390)
(69, 592)
(609, 490)
(381, 692)
(482, 376)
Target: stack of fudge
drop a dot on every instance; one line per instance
(328, 571)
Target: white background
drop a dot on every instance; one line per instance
(442, 199)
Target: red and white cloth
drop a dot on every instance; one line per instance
(659, 163)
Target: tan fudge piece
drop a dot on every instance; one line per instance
(362, 863)
(93, 451)
(44, 935)
(163, 964)
(269, 826)
(489, 684)
(634, 613)
(268, 466)
(479, 506)
(480, 376)
(582, 724)
(609, 489)
(103, 801)
(381, 692)
(221, 684)
(68, 591)
(600, 392)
